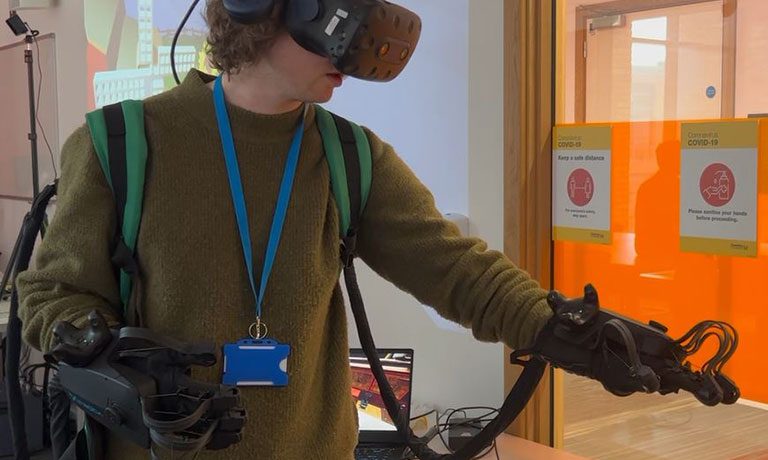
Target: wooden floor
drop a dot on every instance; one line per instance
(601, 426)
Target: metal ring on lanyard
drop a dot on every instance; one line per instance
(259, 326)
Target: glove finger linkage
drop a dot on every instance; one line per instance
(183, 414)
(138, 385)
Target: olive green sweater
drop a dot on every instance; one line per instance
(195, 281)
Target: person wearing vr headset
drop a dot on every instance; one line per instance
(195, 284)
(238, 183)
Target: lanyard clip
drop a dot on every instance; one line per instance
(255, 329)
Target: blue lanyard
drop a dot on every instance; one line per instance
(236, 187)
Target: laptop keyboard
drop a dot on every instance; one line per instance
(378, 453)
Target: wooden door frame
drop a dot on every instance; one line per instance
(529, 111)
(616, 7)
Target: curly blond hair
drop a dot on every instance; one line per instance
(231, 45)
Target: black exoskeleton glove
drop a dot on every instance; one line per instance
(139, 385)
(627, 356)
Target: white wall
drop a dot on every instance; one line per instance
(423, 112)
(444, 116)
(66, 22)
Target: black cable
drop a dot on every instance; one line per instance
(46, 406)
(449, 413)
(176, 39)
(24, 356)
(2, 351)
(433, 411)
(726, 334)
(34, 34)
(27, 374)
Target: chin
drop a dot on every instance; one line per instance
(323, 97)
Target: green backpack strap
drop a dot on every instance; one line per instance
(348, 153)
(118, 136)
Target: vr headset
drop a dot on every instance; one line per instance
(367, 39)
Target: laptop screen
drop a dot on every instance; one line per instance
(398, 366)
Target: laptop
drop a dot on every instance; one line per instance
(378, 438)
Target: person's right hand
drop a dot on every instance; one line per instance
(79, 347)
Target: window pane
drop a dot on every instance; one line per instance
(652, 29)
(648, 55)
(648, 81)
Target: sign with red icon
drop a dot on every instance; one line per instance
(717, 185)
(581, 185)
(718, 188)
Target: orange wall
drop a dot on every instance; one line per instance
(644, 275)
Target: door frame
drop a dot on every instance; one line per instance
(529, 116)
(619, 7)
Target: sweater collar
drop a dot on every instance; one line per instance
(197, 99)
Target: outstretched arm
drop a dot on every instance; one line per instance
(405, 239)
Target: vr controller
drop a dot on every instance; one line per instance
(627, 356)
(139, 387)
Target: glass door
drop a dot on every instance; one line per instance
(654, 72)
(659, 64)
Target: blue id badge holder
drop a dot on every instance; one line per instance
(256, 362)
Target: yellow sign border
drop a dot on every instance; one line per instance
(592, 137)
(581, 235)
(718, 246)
(736, 134)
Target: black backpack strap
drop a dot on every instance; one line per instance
(113, 116)
(352, 167)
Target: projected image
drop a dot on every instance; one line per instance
(129, 47)
(372, 414)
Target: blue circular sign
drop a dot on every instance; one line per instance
(711, 92)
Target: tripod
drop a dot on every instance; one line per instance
(20, 27)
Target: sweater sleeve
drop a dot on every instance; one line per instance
(406, 240)
(73, 273)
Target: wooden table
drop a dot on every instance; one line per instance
(514, 448)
